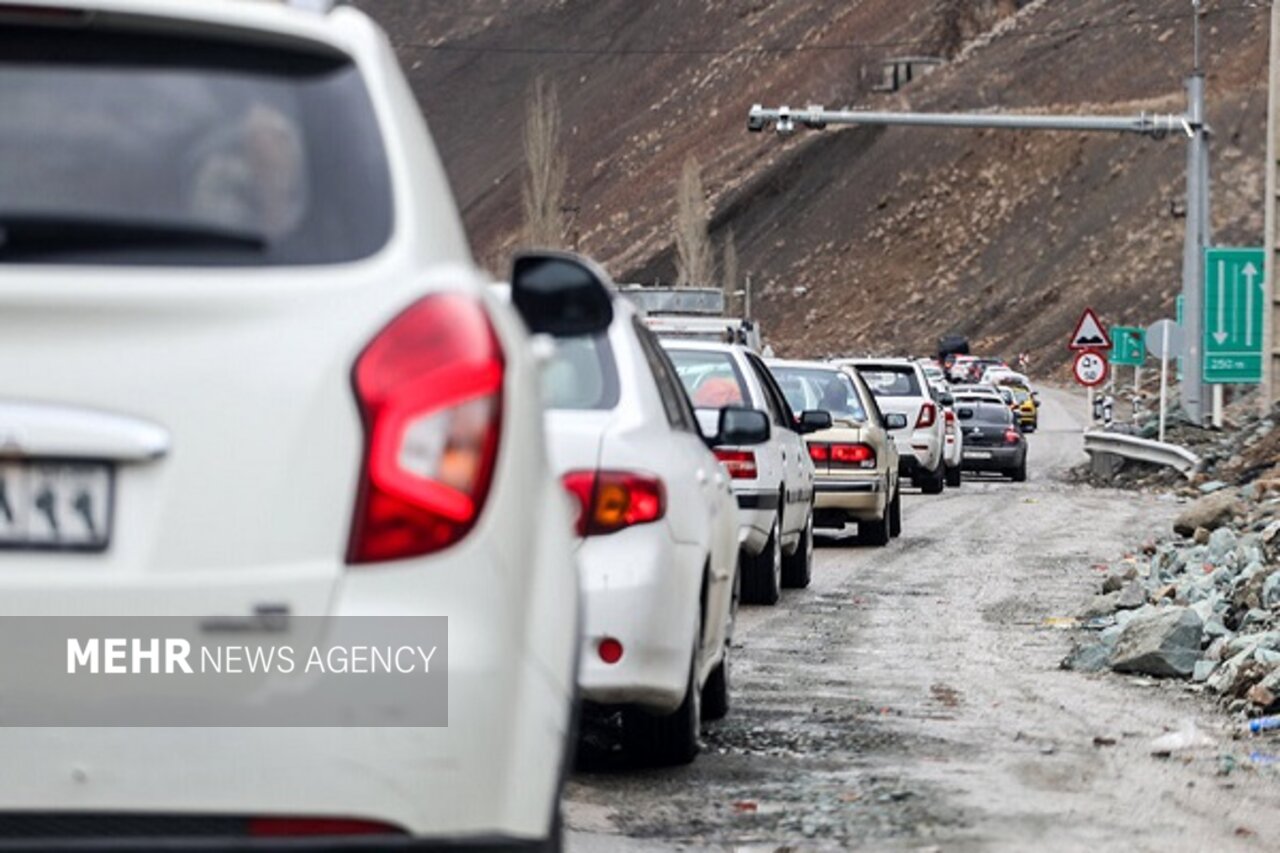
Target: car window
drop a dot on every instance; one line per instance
(674, 400)
(132, 148)
(799, 393)
(886, 380)
(836, 392)
(710, 378)
(992, 413)
(779, 408)
(581, 375)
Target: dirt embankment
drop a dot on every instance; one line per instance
(858, 239)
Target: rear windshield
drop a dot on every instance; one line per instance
(126, 148)
(886, 380)
(990, 413)
(581, 375)
(831, 390)
(710, 378)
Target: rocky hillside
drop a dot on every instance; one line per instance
(857, 239)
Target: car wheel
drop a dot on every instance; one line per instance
(895, 515)
(762, 583)
(797, 567)
(715, 693)
(935, 480)
(953, 476)
(875, 532)
(1019, 474)
(667, 739)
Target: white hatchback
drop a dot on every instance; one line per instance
(900, 386)
(774, 480)
(658, 534)
(262, 383)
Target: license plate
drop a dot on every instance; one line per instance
(977, 454)
(55, 505)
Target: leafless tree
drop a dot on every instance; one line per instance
(546, 168)
(695, 261)
(729, 267)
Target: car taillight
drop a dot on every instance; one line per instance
(1011, 436)
(853, 456)
(429, 387)
(741, 464)
(928, 414)
(949, 415)
(295, 827)
(819, 452)
(609, 501)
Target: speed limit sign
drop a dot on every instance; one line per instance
(1090, 368)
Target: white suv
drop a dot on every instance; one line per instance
(259, 362)
(901, 386)
(658, 535)
(773, 481)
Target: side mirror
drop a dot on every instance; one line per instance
(895, 421)
(740, 426)
(813, 420)
(560, 294)
(965, 414)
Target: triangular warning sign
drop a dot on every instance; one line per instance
(1089, 333)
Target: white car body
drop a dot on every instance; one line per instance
(922, 446)
(1004, 376)
(777, 502)
(662, 589)
(223, 397)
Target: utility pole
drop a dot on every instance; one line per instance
(1270, 390)
(1190, 124)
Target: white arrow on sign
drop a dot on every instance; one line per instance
(1250, 273)
(1221, 334)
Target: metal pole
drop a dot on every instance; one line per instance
(1164, 373)
(1193, 390)
(1270, 390)
(1217, 406)
(746, 299)
(816, 118)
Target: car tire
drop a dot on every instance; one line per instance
(1019, 474)
(797, 567)
(875, 533)
(715, 693)
(895, 515)
(953, 477)
(762, 582)
(671, 739)
(935, 481)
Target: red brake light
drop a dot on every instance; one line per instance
(950, 416)
(928, 414)
(1011, 436)
(741, 464)
(609, 501)
(281, 827)
(819, 452)
(429, 387)
(853, 455)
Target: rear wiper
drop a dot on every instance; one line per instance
(34, 234)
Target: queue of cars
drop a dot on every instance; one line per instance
(267, 392)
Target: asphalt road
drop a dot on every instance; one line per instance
(911, 699)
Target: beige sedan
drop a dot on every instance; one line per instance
(856, 460)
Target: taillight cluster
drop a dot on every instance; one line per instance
(1011, 436)
(741, 464)
(609, 501)
(843, 455)
(928, 415)
(429, 388)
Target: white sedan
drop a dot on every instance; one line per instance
(265, 393)
(658, 531)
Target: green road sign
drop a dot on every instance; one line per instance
(1128, 345)
(1234, 297)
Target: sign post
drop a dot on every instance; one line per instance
(1088, 338)
(1164, 340)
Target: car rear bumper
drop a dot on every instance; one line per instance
(640, 589)
(757, 512)
(857, 499)
(1000, 459)
(327, 844)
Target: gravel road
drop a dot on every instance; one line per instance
(911, 699)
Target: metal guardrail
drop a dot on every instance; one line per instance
(1141, 449)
